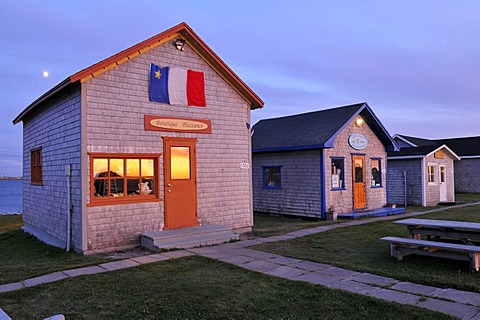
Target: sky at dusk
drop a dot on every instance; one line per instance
(416, 63)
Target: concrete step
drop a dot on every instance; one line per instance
(188, 237)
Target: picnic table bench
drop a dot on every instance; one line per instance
(400, 247)
(435, 229)
(439, 234)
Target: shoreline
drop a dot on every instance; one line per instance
(11, 178)
(9, 213)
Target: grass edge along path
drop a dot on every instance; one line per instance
(200, 288)
(355, 245)
(23, 256)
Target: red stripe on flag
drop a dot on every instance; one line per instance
(195, 89)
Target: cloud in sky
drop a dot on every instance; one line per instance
(415, 62)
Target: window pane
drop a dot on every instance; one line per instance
(376, 173)
(116, 166)
(431, 174)
(146, 187)
(179, 163)
(272, 177)
(100, 167)
(337, 173)
(133, 187)
(101, 188)
(133, 167)
(358, 170)
(116, 188)
(147, 168)
(442, 174)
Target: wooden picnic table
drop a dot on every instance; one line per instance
(434, 229)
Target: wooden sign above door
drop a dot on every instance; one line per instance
(171, 124)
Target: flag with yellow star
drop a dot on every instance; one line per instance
(159, 84)
(177, 86)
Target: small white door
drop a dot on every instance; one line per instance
(443, 185)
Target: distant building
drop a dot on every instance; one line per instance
(112, 152)
(467, 171)
(429, 174)
(312, 163)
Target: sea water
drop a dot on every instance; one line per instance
(10, 196)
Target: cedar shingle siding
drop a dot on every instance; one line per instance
(467, 175)
(56, 129)
(301, 184)
(396, 188)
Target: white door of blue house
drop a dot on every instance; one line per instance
(443, 184)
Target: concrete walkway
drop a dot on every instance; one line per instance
(462, 304)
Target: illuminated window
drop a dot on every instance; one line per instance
(337, 173)
(123, 179)
(376, 173)
(431, 174)
(36, 166)
(272, 177)
(179, 163)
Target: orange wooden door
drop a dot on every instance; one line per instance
(359, 185)
(180, 183)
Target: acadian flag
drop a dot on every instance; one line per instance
(177, 86)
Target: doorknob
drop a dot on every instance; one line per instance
(169, 185)
(169, 190)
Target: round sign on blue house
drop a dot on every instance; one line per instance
(358, 141)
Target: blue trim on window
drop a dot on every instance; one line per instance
(264, 183)
(342, 173)
(323, 192)
(379, 172)
(386, 189)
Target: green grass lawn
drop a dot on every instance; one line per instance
(22, 256)
(267, 225)
(200, 288)
(467, 197)
(196, 288)
(359, 248)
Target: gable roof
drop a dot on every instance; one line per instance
(463, 147)
(420, 152)
(314, 130)
(414, 141)
(181, 30)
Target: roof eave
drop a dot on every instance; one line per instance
(405, 157)
(59, 87)
(296, 148)
(404, 140)
(181, 30)
(217, 63)
(394, 146)
(444, 146)
(184, 31)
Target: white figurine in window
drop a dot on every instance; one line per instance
(144, 188)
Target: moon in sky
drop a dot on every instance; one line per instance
(45, 74)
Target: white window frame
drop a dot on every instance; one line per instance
(434, 174)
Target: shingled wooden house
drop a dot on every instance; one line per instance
(318, 162)
(467, 171)
(428, 174)
(120, 149)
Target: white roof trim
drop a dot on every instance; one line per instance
(404, 140)
(444, 146)
(470, 157)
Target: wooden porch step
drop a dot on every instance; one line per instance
(188, 237)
